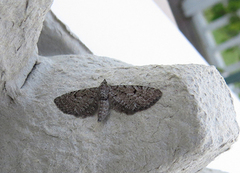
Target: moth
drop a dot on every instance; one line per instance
(127, 99)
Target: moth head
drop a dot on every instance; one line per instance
(104, 82)
(104, 90)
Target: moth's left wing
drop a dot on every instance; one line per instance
(81, 103)
(133, 98)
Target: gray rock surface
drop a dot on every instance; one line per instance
(57, 39)
(187, 128)
(20, 26)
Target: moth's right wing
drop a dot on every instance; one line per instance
(133, 98)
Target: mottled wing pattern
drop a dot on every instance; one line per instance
(132, 98)
(81, 103)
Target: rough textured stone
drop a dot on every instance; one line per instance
(188, 127)
(57, 39)
(20, 26)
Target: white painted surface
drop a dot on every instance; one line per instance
(164, 6)
(136, 32)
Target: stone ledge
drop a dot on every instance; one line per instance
(186, 129)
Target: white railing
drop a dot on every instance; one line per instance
(195, 10)
(191, 7)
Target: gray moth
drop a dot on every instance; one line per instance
(127, 99)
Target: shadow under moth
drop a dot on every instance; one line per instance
(128, 99)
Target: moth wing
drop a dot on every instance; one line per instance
(81, 103)
(132, 98)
